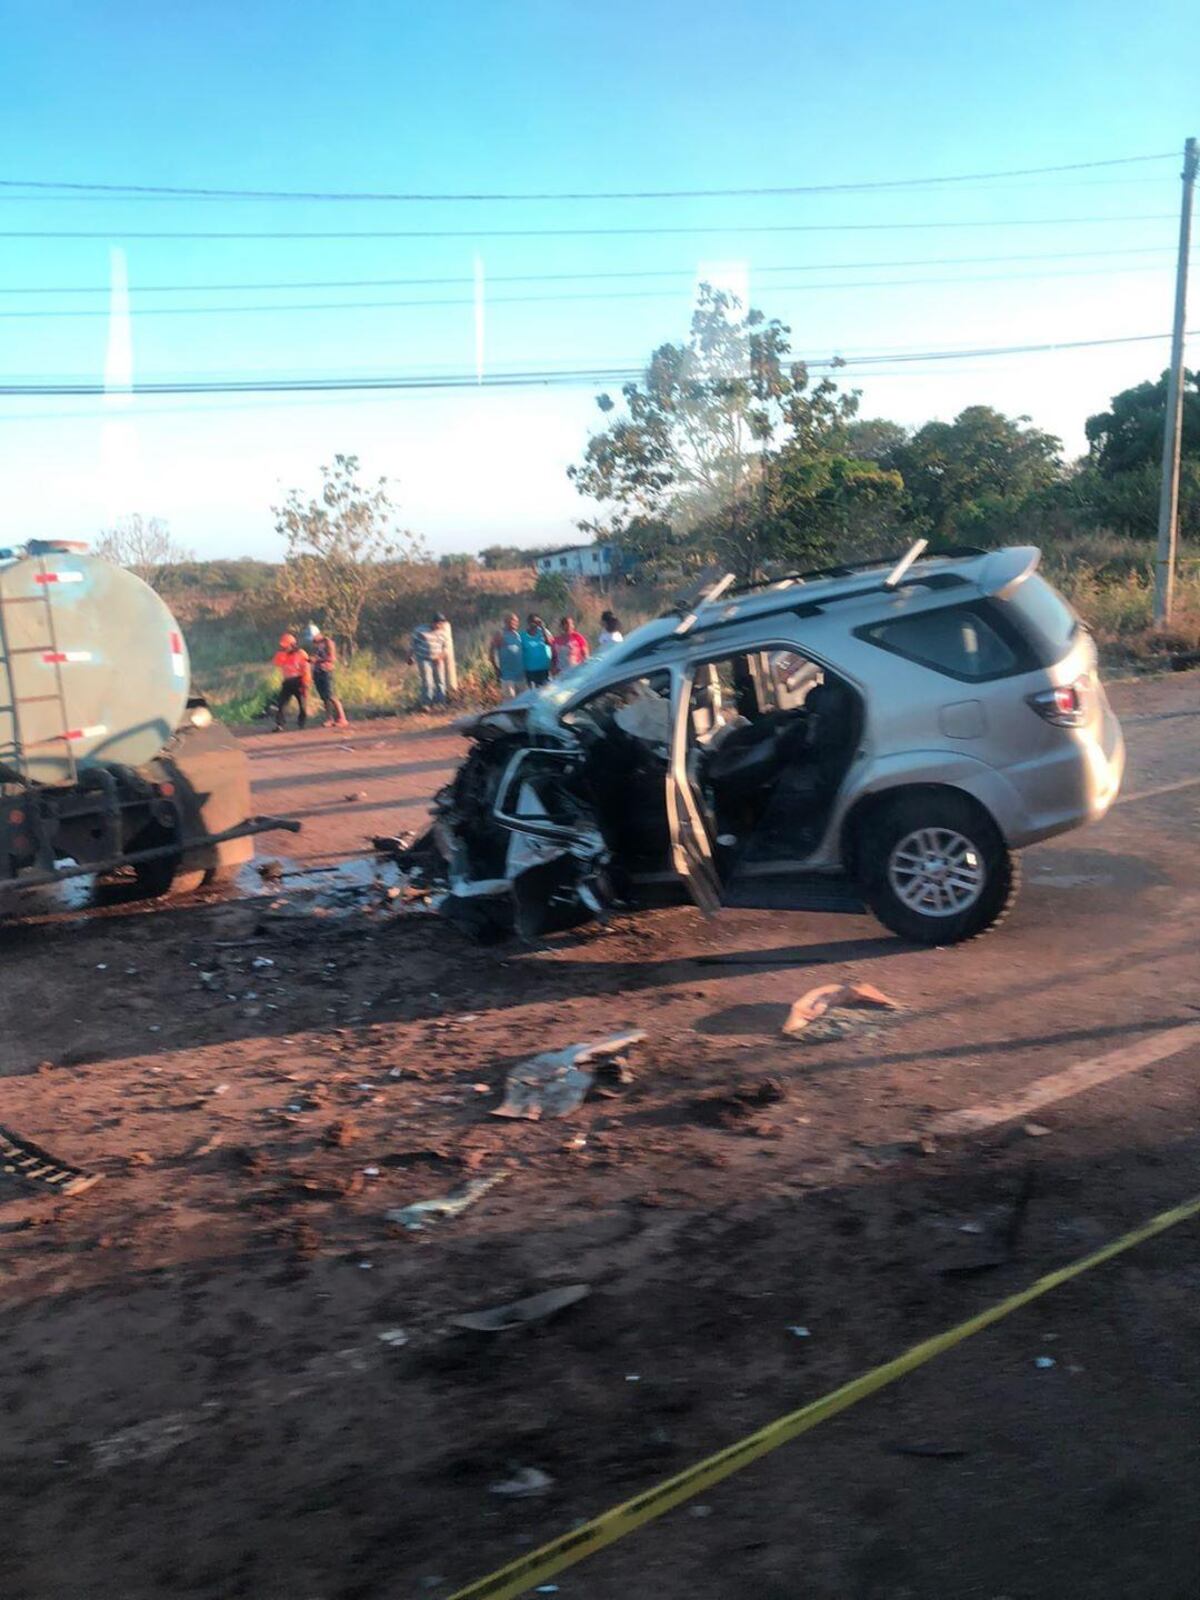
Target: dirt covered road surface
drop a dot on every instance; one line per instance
(225, 1371)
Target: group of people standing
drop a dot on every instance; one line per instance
(523, 658)
(528, 657)
(304, 669)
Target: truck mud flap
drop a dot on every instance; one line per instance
(211, 778)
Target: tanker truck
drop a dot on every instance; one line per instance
(108, 760)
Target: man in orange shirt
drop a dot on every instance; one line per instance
(293, 664)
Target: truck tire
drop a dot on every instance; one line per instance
(935, 868)
(164, 875)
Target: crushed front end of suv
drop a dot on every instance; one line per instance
(859, 736)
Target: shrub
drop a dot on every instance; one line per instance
(553, 590)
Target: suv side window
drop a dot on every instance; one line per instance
(957, 641)
(639, 706)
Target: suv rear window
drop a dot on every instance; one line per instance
(957, 641)
(1044, 617)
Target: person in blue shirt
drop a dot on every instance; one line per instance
(508, 657)
(537, 651)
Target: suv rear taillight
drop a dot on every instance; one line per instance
(1066, 706)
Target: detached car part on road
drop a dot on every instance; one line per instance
(853, 735)
(107, 758)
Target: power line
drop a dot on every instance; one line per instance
(584, 277)
(126, 198)
(110, 234)
(173, 406)
(182, 192)
(996, 350)
(350, 385)
(458, 302)
(595, 374)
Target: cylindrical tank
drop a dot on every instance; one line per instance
(93, 667)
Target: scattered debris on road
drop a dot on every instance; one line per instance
(928, 1452)
(556, 1082)
(340, 1133)
(21, 1158)
(996, 1232)
(740, 1106)
(520, 1313)
(829, 997)
(416, 1215)
(524, 1484)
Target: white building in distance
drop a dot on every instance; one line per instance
(581, 561)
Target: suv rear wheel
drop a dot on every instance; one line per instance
(936, 869)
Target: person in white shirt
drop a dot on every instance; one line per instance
(610, 630)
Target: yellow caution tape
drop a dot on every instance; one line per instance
(521, 1575)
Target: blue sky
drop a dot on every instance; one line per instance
(552, 96)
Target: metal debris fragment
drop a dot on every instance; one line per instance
(451, 1205)
(519, 1313)
(555, 1083)
(21, 1158)
(523, 1484)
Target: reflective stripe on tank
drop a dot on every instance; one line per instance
(177, 654)
(57, 657)
(58, 577)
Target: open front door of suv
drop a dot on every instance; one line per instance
(691, 845)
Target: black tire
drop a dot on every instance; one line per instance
(165, 874)
(893, 823)
(156, 878)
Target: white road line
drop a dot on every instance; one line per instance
(1162, 788)
(1059, 1085)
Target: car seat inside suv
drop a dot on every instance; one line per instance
(770, 783)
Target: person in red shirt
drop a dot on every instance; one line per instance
(293, 665)
(570, 647)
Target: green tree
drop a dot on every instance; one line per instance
(697, 463)
(1129, 435)
(342, 549)
(873, 438)
(974, 476)
(823, 502)
(1117, 485)
(1127, 502)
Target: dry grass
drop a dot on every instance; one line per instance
(1109, 579)
(1110, 582)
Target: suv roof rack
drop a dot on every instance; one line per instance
(851, 569)
(798, 605)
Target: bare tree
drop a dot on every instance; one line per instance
(342, 549)
(144, 545)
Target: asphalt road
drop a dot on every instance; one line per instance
(198, 1399)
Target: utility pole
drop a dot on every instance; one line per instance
(1168, 501)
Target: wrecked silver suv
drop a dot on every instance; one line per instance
(855, 735)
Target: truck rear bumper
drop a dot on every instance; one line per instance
(212, 842)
